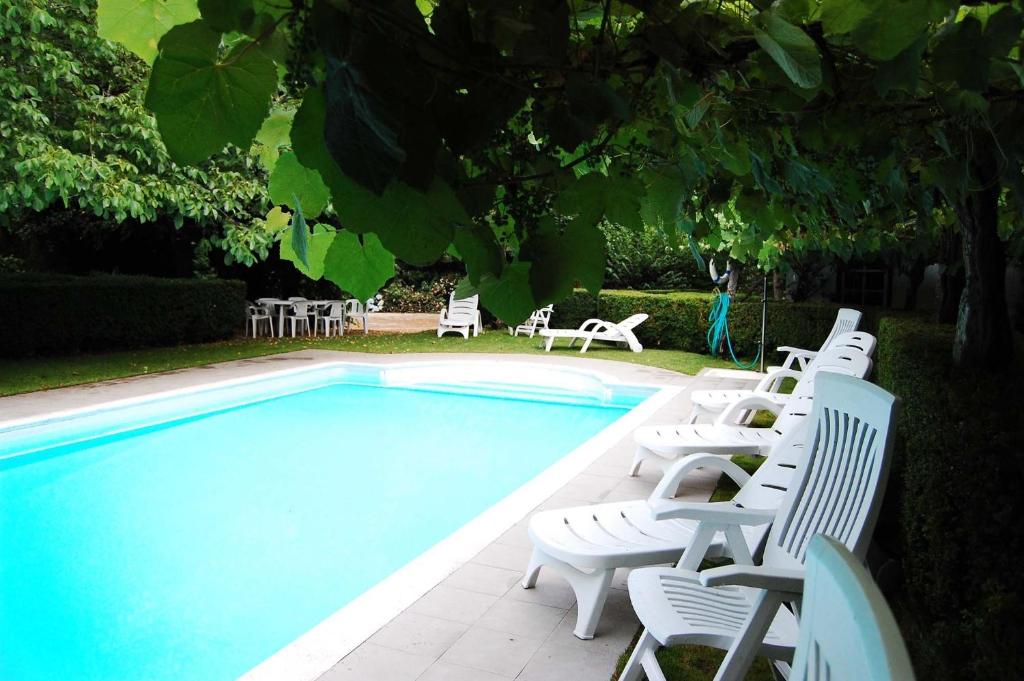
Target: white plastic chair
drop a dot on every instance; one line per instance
(300, 315)
(256, 315)
(354, 309)
(837, 492)
(599, 330)
(538, 320)
(709, 403)
(332, 317)
(586, 544)
(461, 316)
(662, 444)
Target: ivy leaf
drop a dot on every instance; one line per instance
(292, 180)
(203, 102)
(227, 15)
(272, 135)
(318, 244)
(792, 49)
(509, 296)
(359, 265)
(138, 24)
(561, 257)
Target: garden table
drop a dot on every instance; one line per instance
(280, 305)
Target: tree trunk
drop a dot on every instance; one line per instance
(951, 278)
(916, 276)
(778, 289)
(983, 336)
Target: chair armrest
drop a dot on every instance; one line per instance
(749, 403)
(772, 381)
(590, 322)
(756, 576)
(673, 477)
(716, 513)
(810, 354)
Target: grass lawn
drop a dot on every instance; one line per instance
(26, 375)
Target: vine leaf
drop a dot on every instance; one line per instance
(138, 24)
(272, 135)
(509, 296)
(316, 251)
(291, 181)
(359, 265)
(227, 15)
(560, 257)
(299, 237)
(792, 49)
(203, 102)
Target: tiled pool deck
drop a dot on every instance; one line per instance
(478, 624)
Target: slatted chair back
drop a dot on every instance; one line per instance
(847, 632)
(463, 310)
(632, 321)
(847, 319)
(839, 486)
(846, 361)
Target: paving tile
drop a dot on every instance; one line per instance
(557, 663)
(420, 634)
(483, 579)
(504, 556)
(445, 671)
(493, 651)
(521, 617)
(550, 590)
(615, 630)
(516, 536)
(371, 662)
(449, 603)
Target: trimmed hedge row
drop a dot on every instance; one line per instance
(679, 320)
(55, 314)
(954, 512)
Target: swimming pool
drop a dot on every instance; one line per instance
(194, 534)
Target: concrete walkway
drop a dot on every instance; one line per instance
(478, 624)
(401, 322)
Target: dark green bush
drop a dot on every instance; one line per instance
(60, 314)
(647, 260)
(679, 320)
(954, 509)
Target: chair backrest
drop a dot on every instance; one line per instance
(463, 309)
(839, 484)
(542, 316)
(354, 307)
(847, 632)
(861, 340)
(847, 320)
(633, 321)
(334, 310)
(296, 298)
(847, 361)
(300, 307)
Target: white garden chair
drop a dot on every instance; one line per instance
(256, 315)
(837, 492)
(710, 403)
(356, 310)
(332, 317)
(663, 444)
(586, 544)
(599, 330)
(538, 321)
(299, 316)
(461, 316)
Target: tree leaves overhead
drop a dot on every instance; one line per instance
(509, 296)
(559, 257)
(596, 195)
(292, 181)
(138, 24)
(203, 100)
(881, 29)
(791, 48)
(358, 264)
(227, 15)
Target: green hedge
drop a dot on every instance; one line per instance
(679, 320)
(955, 510)
(57, 314)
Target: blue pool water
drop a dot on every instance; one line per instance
(196, 547)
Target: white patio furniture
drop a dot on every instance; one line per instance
(256, 316)
(599, 330)
(847, 631)
(837, 492)
(461, 316)
(300, 317)
(332, 316)
(356, 310)
(538, 320)
(586, 544)
(279, 304)
(663, 444)
(710, 403)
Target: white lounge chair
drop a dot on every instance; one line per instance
(599, 330)
(586, 544)
(847, 320)
(663, 444)
(710, 403)
(538, 321)
(837, 492)
(461, 316)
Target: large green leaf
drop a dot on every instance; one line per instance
(509, 296)
(227, 15)
(479, 250)
(792, 49)
(594, 195)
(274, 134)
(138, 24)
(204, 101)
(881, 29)
(961, 56)
(358, 264)
(667, 189)
(291, 180)
(560, 257)
(316, 251)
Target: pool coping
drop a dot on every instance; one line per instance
(314, 652)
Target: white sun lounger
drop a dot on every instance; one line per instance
(663, 444)
(710, 403)
(837, 492)
(460, 316)
(599, 330)
(538, 321)
(586, 544)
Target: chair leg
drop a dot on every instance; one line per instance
(643, 660)
(591, 589)
(747, 644)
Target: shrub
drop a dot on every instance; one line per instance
(954, 507)
(60, 314)
(647, 260)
